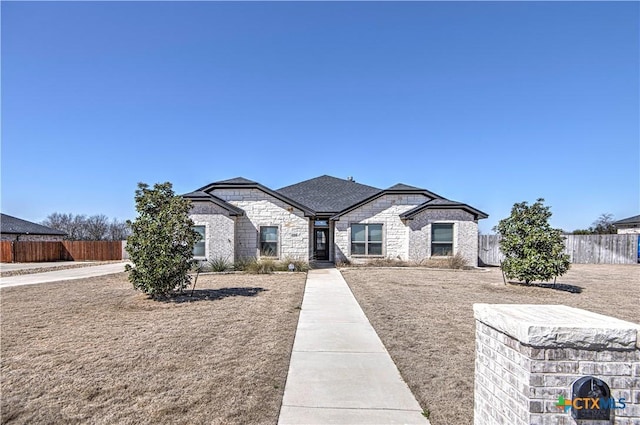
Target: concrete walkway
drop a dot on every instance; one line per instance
(58, 275)
(340, 373)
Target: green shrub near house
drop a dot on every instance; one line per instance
(161, 242)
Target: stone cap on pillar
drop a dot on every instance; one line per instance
(558, 326)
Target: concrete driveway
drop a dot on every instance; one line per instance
(66, 274)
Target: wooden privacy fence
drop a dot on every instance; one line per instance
(6, 255)
(92, 250)
(582, 249)
(35, 252)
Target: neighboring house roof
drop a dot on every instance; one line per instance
(326, 194)
(207, 197)
(13, 225)
(249, 184)
(442, 204)
(628, 221)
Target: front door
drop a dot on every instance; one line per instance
(321, 244)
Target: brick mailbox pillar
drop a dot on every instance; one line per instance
(528, 358)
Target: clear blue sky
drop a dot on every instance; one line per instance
(485, 103)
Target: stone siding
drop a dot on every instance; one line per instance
(219, 230)
(527, 356)
(628, 230)
(385, 210)
(465, 234)
(262, 209)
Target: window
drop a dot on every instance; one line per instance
(366, 239)
(441, 239)
(269, 241)
(199, 249)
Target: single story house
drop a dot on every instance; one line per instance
(16, 229)
(630, 225)
(330, 219)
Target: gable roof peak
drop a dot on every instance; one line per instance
(242, 183)
(236, 180)
(402, 186)
(199, 195)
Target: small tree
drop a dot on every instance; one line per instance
(161, 241)
(118, 230)
(602, 226)
(93, 228)
(532, 249)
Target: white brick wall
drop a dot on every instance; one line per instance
(465, 234)
(410, 241)
(385, 210)
(262, 209)
(403, 241)
(220, 230)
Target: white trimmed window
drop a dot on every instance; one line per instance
(441, 239)
(366, 239)
(200, 249)
(268, 241)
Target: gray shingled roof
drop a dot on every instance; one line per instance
(630, 220)
(9, 224)
(326, 194)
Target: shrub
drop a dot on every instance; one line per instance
(242, 264)
(457, 262)
(218, 264)
(533, 250)
(161, 242)
(265, 266)
(299, 265)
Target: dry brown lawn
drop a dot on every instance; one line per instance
(95, 351)
(425, 319)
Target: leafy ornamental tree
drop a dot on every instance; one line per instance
(161, 243)
(532, 249)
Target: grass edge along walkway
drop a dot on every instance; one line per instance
(340, 372)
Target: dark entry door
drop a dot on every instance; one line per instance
(321, 244)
